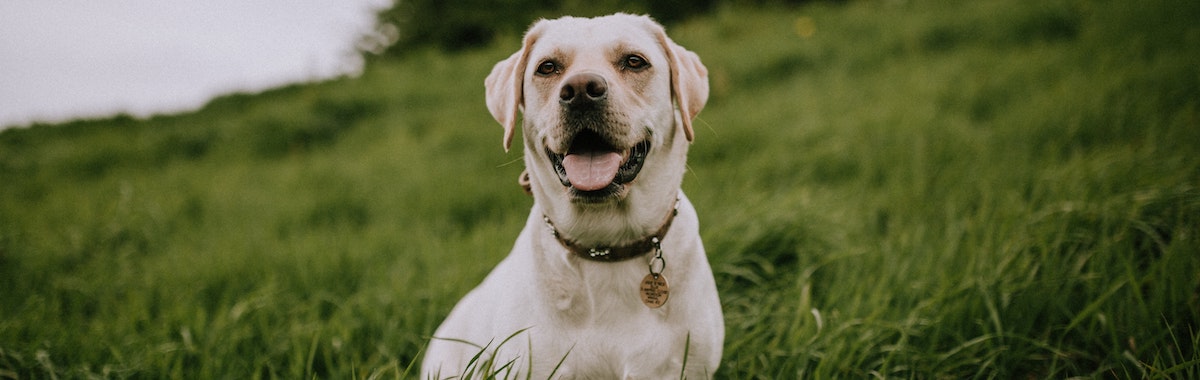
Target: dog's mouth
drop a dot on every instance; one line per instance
(594, 167)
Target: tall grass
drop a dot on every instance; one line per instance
(981, 189)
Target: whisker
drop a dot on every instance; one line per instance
(516, 160)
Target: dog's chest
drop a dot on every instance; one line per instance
(639, 348)
(606, 331)
(588, 296)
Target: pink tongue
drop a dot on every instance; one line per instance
(591, 171)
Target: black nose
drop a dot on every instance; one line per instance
(583, 88)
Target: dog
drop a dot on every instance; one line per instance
(609, 278)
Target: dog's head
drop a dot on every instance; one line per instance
(607, 105)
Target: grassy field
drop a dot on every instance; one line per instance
(922, 189)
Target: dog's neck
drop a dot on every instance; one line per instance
(618, 253)
(601, 253)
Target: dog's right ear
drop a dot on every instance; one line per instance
(505, 93)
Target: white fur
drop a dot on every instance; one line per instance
(589, 314)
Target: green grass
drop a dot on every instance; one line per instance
(966, 189)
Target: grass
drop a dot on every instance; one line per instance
(966, 189)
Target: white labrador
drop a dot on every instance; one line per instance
(609, 278)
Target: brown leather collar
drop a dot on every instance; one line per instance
(613, 254)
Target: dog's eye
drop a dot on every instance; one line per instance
(547, 68)
(635, 62)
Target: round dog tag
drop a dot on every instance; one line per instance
(655, 290)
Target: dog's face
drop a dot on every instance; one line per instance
(607, 105)
(593, 101)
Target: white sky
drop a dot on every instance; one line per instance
(61, 59)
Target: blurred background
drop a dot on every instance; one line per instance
(64, 60)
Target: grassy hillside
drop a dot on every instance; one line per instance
(917, 189)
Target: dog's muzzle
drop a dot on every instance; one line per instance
(593, 166)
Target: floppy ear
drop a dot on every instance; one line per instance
(504, 87)
(689, 81)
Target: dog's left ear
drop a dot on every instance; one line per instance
(689, 80)
(505, 93)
